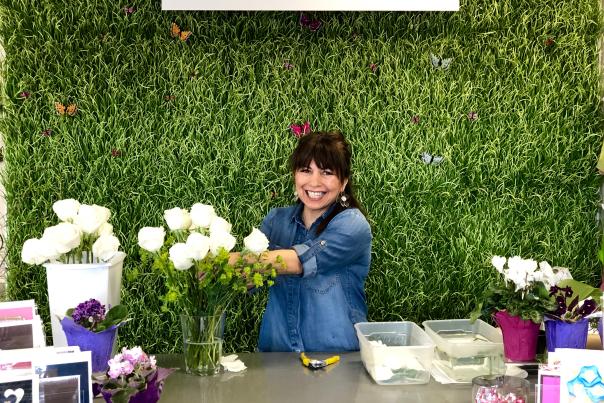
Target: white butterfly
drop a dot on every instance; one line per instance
(440, 63)
(430, 159)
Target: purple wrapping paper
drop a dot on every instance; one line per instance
(100, 344)
(153, 391)
(559, 334)
(519, 336)
(600, 330)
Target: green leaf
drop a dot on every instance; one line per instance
(581, 290)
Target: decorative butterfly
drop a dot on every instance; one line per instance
(176, 32)
(193, 75)
(63, 110)
(287, 65)
(307, 22)
(274, 194)
(549, 41)
(24, 94)
(472, 116)
(373, 67)
(115, 152)
(440, 63)
(430, 159)
(129, 10)
(46, 132)
(415, 119)
(300, 130)
(170, 98)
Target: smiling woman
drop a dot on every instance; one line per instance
(325, 243)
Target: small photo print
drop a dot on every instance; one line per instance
(60, 389)
(16, 391)
(15, 336)
(64, 373)
(17, 310)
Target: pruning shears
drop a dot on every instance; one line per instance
(318, 364)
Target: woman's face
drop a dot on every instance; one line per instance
(317, 188)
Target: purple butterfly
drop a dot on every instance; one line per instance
(24, 94)
(549, 42)
(115, 152)
(300, 130)
(307, 22)
(129, 10)
(373, 67)
(287, 65)
(46, 132)
(415, 119)
(472, 116)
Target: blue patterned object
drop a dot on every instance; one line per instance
(590, 380)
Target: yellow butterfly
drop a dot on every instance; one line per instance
(176, 32)
(62, 110)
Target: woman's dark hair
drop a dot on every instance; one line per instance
(329, 150)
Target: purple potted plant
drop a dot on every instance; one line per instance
(91, 327)
(132, 377)
(566, 326)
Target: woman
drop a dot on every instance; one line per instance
(325, 243)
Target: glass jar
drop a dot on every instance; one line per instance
(500, 389)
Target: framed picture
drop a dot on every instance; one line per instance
(17, 310)
(65, 377)
(581, 375)
(547, 389)
(18, 389)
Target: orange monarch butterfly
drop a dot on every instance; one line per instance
(177, 33)
(62, 110)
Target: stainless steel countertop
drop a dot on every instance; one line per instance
(281, 378)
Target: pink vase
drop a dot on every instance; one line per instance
(519, 336)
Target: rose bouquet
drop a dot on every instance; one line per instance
(202, 277)
(84, 235)
(133, 376)
(522, 289)
(93, 328)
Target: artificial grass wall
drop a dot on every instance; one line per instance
(164, 123)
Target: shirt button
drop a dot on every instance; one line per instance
(322, 243)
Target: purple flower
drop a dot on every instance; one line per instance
(553, 290)
(88, 314)
(568, 291)
(287, 65)
(588, 307)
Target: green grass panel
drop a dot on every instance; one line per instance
(207, 121)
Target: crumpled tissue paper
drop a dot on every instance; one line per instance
(231, 363)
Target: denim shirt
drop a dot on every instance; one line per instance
(317, 310)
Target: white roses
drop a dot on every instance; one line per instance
(525, 272)
(84, 233)
(199, 233)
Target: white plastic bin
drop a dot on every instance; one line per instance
(71, 284)
(465, 349)
(395, 353)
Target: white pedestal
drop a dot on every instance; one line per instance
(71, 284)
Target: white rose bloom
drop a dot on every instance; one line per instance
(90, 218)
(38, 251)
(105, 229)
(105, 247)
(181, 256)
(221, 239)
(177, 219)
(67, 209)
(562, 273)
(64, 236)
(151, 238)
(202, 215)
(498, 262)
(199, 245)
(219, 224)
(256, 242)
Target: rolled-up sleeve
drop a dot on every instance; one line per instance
(345, 238)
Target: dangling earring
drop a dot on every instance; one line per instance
(296, 195)
(343, 200)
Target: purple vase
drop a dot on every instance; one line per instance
(519, 336)
(559, 334)
(99, 344)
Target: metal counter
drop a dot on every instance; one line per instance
(281, 378)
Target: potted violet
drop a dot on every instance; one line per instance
(93, 328)
(132, 377)
(566, 325)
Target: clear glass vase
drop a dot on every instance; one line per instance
(202, 338)
(499, 388)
